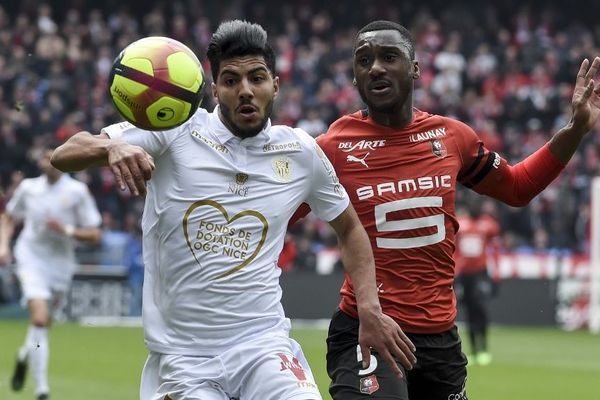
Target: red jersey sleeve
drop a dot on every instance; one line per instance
(487, 173)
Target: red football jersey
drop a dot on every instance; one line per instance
(402, 183)
(473, 242)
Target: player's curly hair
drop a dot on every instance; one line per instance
(383, 25)
(239, 38)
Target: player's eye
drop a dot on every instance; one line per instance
(229, 81)
(390, 57)
(364, 60)
(258, 78)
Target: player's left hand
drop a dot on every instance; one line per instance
(382, 333)
(586, 97)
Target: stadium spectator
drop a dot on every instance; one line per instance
(306, 257)
(212, 314)
(56, 210)
(400, 166)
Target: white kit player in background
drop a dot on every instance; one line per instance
(56, 210)
(220, 190)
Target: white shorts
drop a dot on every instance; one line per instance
(37, 283)
(271, 367)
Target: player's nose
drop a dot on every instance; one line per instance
(377, 68)
(245, 89)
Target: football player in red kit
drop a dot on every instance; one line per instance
(476, 240)
(400, 167)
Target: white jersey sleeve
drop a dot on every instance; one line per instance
(154, 142)
(16, 206)
(87, 213)
(327, 198)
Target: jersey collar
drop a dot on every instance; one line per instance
(58, 181)
(224, 135)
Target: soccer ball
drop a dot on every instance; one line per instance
(156, 83)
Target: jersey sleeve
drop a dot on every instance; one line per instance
(487, 173)
(16, 205)
(305, 209)
(153, 142)
(327, 198)
(87, 213)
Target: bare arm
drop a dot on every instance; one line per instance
(81, 151)
(517, 185)
(6, 232)
(131, 165)
(586, 109)
(376, 330)
(86, 234)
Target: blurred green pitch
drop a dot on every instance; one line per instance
(98, 363)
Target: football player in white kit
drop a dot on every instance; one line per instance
(220, 190)
(56, 210)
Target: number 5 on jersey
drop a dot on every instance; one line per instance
(383, 225)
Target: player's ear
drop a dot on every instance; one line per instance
(213, 88)
(275, 86)
(354, 81)
(416, 70)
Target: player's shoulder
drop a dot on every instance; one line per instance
(29, 183)
(119, 128)
(456, 126)
(345, 127)
(284, 132)
(341, 125)
(201, 116)
(74, 186)
(286, 138)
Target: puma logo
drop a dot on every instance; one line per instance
(351, 158)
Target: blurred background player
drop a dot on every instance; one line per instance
(476, 241)
(56, 211)
(212, 316)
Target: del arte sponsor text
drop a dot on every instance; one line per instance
(362, 145)
(406, 185)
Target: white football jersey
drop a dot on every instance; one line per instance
(35, 201)
(214, 222)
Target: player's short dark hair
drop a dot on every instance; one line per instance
(383, 25)
(239, 38)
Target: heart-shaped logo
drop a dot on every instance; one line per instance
(223, 238)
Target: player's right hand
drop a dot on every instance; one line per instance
(382, 333)
(131, 165)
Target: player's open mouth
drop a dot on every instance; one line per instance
(247, 111)
(379, 87)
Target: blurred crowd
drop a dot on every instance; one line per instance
(507, 70)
